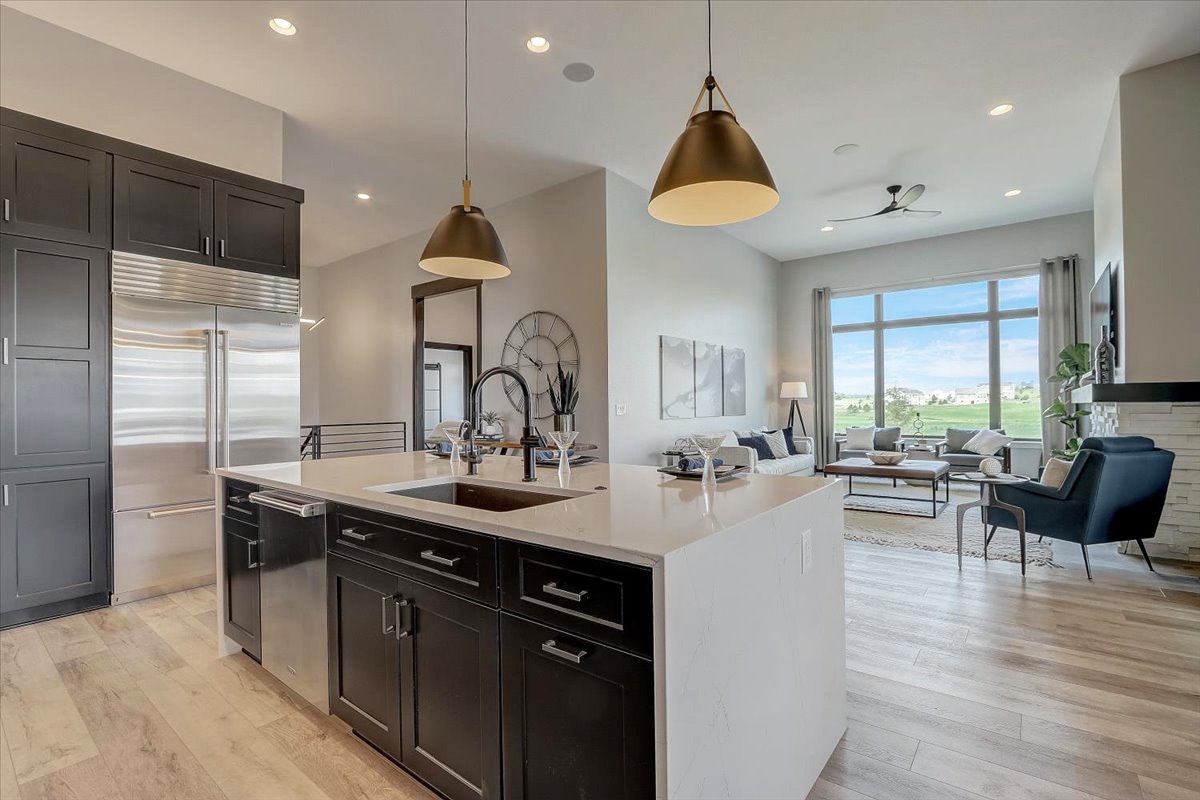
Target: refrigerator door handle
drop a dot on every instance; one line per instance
(210, 399)
(223, 335)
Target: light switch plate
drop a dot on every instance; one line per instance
(622, 409)
(806, 553)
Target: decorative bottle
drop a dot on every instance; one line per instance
(1104, 358)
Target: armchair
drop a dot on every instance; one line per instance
(962, 460)
(885, 439)
(1114, 492)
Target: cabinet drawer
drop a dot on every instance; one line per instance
(604, 600)
(237, 502)
(458, 561)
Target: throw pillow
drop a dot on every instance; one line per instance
(788, 438)
(759, 444)
(1055, 472)
(886, 438)
(778, 443)
(987, 443)
(860, 438)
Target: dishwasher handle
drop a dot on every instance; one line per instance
(292, 504)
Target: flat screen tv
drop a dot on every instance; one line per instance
(1104, 311)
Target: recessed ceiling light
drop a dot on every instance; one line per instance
(1001, 110)
(578, 72)
(538, 44)
(1012, 193)
(282, 26)
(827, 229)
(363, 196)
(845, 149)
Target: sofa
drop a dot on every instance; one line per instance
(885, 439)
(962, 460)
(803, 463)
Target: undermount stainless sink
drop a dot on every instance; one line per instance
(484, 496)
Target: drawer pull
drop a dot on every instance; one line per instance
(429, 555)
(251, 552)
(383, 603)
(551, 647)
(352, 533)
(402, 630)
(552, 588)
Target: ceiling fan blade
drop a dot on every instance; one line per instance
(917, 213)
(911, 196)
(887, 210)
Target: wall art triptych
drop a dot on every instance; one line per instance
(700, 379)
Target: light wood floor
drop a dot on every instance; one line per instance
(963, 685)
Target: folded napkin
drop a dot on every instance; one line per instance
(551, 455)
(690, 463)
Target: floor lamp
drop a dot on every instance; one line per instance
(794, 390)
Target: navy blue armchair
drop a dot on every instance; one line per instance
(1114, 492)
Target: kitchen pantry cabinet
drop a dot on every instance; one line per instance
(53, 189)
(243, 598)
(170, 213)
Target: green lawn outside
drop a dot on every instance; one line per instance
(1021, 419)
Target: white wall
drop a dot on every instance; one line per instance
(53, 73)
(694, 283)
(556, 248)
(1160, 189)
(981, 251)
(450, 318)
(310, 348)
(1109, 221)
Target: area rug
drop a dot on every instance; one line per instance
(903, 529)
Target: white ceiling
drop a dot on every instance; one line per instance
(372, 94)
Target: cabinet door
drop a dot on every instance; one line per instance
(54, 538)
(242, 591)
(364, 651)
(450, 692)
(54, 189)
(54, 363)
(257, 232)
(162, 212)
(578, 717)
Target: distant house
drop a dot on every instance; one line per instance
(980, 394)
(914, 396)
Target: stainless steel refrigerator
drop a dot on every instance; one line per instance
(206, 374)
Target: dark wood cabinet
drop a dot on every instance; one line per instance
(54, 541)
(162, 212)
(578, 717)
(243, 622)
(54, 189)
(450, 692)
(54, 361)
(255, 231)
(364, 651)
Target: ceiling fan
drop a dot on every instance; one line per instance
(900, 205)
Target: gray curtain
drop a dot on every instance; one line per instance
(1058, 326)
(823, 375)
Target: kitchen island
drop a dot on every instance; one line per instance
(626, 635)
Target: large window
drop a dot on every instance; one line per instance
(960, 355)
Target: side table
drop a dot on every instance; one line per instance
(987, 499)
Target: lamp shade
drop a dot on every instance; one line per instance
(793, 390)
(465, 245)
(714, 175)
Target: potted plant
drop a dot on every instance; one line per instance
(564, 396)
(493, 423)
(1074, 362)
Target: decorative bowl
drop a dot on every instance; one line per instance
(991, 467)
(886, 457)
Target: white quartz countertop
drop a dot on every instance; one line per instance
(638, 516)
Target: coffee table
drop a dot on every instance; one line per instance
(987, 499)
(932, 471)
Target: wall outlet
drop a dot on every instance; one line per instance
(806, 553)
(622, 409)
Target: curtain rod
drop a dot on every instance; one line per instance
(933, 281)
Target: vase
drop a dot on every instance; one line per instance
(564, 422)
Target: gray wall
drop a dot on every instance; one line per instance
(694, 283)
(981, 251)
(310, 348)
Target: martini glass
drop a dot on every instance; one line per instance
(563, 441)
(708, 444)
(457, 439)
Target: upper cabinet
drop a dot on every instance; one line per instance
(162, 212)
(53, 189)
(256, 231)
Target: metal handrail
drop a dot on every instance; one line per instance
(349, 438)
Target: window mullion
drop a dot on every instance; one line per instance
(878, 361)
(994, 354)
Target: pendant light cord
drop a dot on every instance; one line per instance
(710, 81)
(466, 105)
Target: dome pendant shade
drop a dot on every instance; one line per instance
(714, 175)
(465, 245)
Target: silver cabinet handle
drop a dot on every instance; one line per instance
(210, 399)
(551, 647)
(352, 533)
(401, 604)
(251, 561)
(300, 506)
(7, 209)
(221, 244)
(552, 588)
(206, 245)
(181, 510)
(224, 411)
(383, 611)
(6, 494)
(429, 555)
(5, 355)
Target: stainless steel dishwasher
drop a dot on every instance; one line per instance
(292, 574)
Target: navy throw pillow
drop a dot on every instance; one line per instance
(759, 443)
(790, 442)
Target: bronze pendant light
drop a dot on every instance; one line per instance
(464, 244)
(714, 174)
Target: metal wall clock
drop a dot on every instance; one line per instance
(537, 345)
